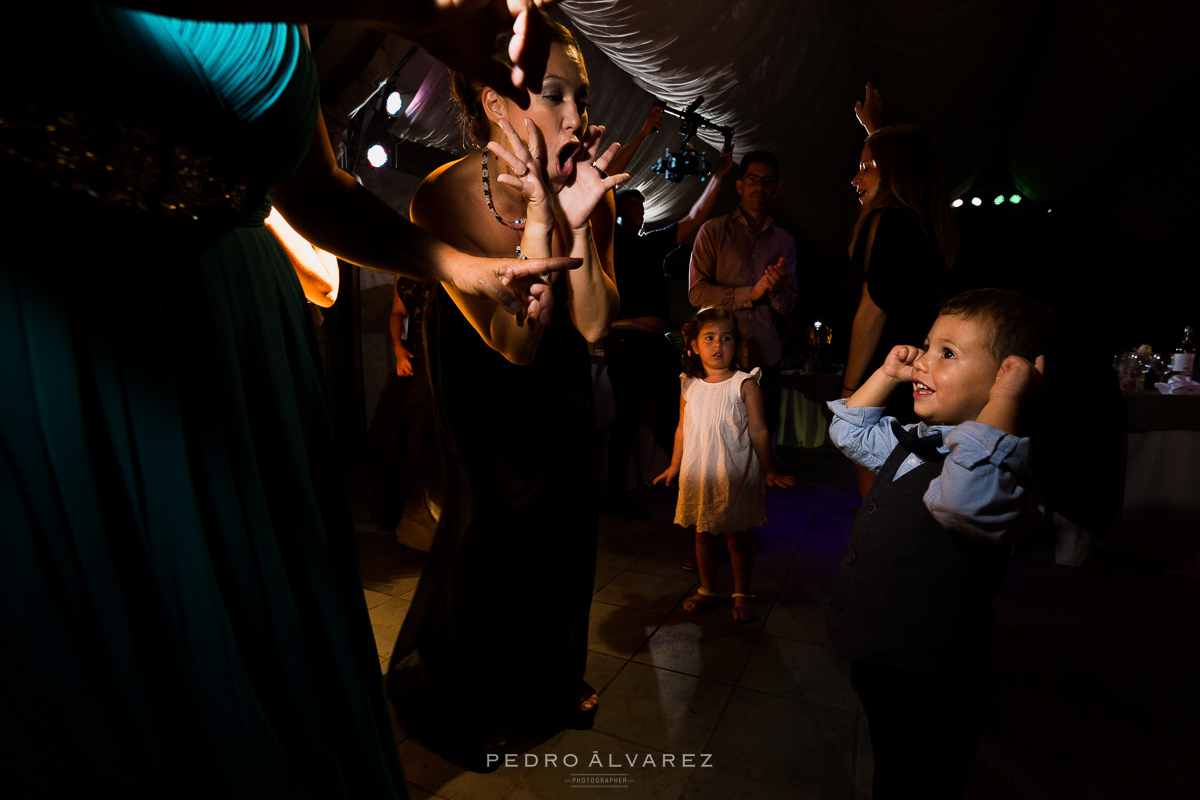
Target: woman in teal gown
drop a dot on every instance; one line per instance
(180, 607)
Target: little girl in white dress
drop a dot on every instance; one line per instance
(722, 458)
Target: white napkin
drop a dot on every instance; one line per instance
(1178, 384)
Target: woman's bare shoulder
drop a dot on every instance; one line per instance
(441, 188)
(445, 205)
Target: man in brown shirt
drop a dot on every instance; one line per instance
(744, 263)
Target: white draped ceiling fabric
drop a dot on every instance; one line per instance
(1040, 95)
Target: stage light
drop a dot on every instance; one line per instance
(975, 201)
(377, 155)
(957, 203)
(393, 104)
(999, 199)
(1016, 198)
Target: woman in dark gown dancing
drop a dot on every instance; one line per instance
(903, 244)
(180, 607)
(499, 622)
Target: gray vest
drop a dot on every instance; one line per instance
(909, 594)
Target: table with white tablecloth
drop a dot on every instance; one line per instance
(1160, 508)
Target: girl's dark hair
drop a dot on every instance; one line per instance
(692, 366)
(469, 92)
(910, 176)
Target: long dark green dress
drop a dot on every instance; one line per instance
(180, 607)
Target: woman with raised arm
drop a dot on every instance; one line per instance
(181, 613)
(496, 638)
(903, 244)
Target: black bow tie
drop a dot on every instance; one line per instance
(924, 446)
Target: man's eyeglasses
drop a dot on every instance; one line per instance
(755, 180)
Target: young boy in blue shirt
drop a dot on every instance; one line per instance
(913, 596)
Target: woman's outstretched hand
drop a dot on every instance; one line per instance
(869, 110)
(462, 34)
(579, 198)
(517, 285)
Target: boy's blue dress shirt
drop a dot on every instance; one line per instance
(986, 490)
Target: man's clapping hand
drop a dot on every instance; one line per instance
(771, 279)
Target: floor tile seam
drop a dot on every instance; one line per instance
(629, 742)
(679, 605)
(657, 574)
(798, 700)
(757, 779)
(681, 672)
(600, 692)
(649, 636)
(520, 773)
(758, 637)
(387, 594)
(758, 632)
(651, 542)
(694, 582)
(766, 783)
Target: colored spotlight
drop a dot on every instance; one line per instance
(999, 199)
(957, 203)
(1016, 198)
(377, 155)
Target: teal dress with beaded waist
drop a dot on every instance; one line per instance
(180, 607)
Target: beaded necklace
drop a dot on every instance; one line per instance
(487, 195)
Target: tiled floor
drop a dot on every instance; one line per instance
(1097, 689)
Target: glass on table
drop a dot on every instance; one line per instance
(1131, 371)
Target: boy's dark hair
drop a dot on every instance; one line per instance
(1019, 325)
(692, 366)
(758, 157)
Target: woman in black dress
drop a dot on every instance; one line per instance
(496, 639)
(904, 242)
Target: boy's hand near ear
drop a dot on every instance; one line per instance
(1017, 380)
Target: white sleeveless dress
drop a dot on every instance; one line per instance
(721, 487)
